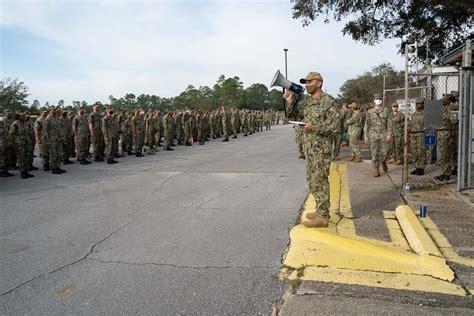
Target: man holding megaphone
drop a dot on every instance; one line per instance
(319, 114)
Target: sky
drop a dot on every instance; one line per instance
(88, 50)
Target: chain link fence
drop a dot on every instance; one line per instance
(422, 147)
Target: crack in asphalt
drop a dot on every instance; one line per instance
(91, 250)
(179, 266)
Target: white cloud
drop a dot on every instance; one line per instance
(161, 47)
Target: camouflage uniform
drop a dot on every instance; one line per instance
(21, 144)
(225, 126)
(4, 142)
(67, 132)
(377, 127)
(126, 135)
(30, 129)
(150, 126)
(398, 125)
(137, 131)
(299, 140)
(81, 127)
(97, 138)
(234, 122)
(322, 113)
(167, 126)
(336, 138)
(52, 141)
(110, 134)
(354, 124)
(445, 143)
(417, 139)
(10, 153)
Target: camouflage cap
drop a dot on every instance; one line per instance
(445, 96)
(394, 104)
(7, 111)
(311, 76)
(377, 96)
(420, 101)
(454, 93)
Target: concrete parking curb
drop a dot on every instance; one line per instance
(416, 235)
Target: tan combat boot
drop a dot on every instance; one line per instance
(398, 162)
(311, 215)
(392, 160)
(384, 167)
(317, 221)
(352, 158)
(376, 172)
(357, 160)
(301, 156)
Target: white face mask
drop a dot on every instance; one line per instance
(378, 102)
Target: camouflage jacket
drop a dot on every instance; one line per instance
(398, 123)
(354, 124)
(52, 129)
(322, 113)
(378, 124)
(19, 134)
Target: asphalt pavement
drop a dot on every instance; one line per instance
(200, 230)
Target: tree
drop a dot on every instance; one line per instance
(362, 88)
(13, 94)
(229, 92)
(438, 24)
(257, 96)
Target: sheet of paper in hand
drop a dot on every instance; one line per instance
(297, 123)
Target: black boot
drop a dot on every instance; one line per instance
(83, 162)
(25, 175)
(421, 172)
(454, 172)
(32, 168)
(138, 155)
(226, 139)
(46, 168)
(415, 172)
(56, 171)
(6, 174)
(98, 159)
(201, 143)
(129, 153)
(110, 161)
(188, 144)
(62, 170)
(68, 162)
(168, 148)
(245, 134)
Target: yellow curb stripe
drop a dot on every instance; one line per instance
(314, 247)
(382, 280)
(415, 233)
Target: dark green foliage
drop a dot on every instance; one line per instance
(443, 25)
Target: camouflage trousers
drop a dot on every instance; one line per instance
(225, 131)
(378, 148)
(150, 138)
(234, 129)
(354, 145)
(110, 148)
(418, 150)
(3, 160)
(446, 153)
(138, 143)
(168, 139)
(398, 147)
(299, 139)
(67, 149)
(97, 144)
(53, 153)
(317, 172)
(336, 141)
(22, 155)
(82, 151)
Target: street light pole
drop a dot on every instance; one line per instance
(286, 76)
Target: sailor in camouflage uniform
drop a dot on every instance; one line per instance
(354, 124)
(378, 132)
(446, 137)
(417, 138)
(319, 112)
(21, 144)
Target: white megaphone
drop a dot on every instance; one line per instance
(280, 81)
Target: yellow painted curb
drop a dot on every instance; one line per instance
(314, 247)
(382, 280)
(415, 233)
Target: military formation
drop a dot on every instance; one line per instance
(105, 135)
